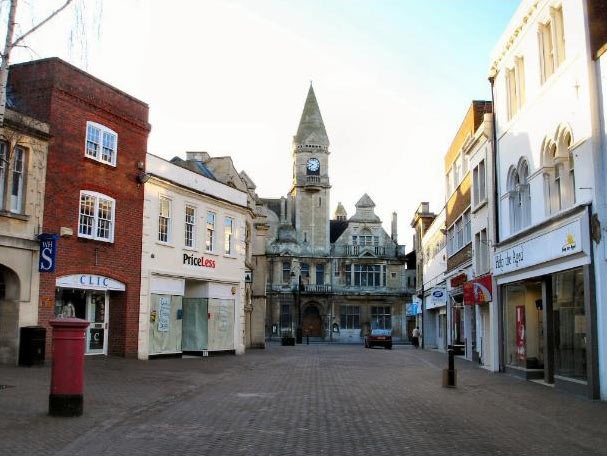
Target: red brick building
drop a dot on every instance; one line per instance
(93, 200)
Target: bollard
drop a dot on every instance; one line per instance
(450, 374)
(67, 370)
(307, 340)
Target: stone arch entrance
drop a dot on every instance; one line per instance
(9, 315)
(312, 321)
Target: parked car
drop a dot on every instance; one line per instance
(379, 337)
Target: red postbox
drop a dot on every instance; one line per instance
(67, 371)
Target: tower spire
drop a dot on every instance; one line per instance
(311, 130)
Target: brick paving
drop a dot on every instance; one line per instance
(304, 400)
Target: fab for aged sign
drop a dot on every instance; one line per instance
(558, 243)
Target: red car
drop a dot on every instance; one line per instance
(379, 337)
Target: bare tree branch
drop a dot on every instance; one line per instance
(40, 24)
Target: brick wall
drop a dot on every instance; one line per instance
(67, 98)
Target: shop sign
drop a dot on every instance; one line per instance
(412, 310)
(201, 262)
(478, 291)
(558, 243)
(248, 276)
(48, 252)
(458, 280)
(437, 298)
(89, 282)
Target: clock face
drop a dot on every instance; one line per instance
(313, 164)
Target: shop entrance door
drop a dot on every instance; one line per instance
(312, 323)
(97, 314)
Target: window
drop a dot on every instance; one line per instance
(519, 197)
(350, 317)
(572, 177)
(459, 235)
(229, 235)
(348, 274)
(551, 37)
(285, 316)
(164, 220)
(481, 252)
(320, 274)
(381, 317)
(96, 216)
(210, 240)
(368, 275)
(365, 240)
(479, 188)
(190, 226)
(515, 86)
(18, 165)
(101, 143)
(286, 272)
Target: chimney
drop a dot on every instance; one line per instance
(394, 229)
(199, 156)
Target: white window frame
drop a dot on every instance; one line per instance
(210, 231)
(17, 180)
(95, 219)
(515, 86)
(228, 226)
(551, 38)
(479, 184)
(459, 235)
(164, 220)
(4, 166)
(481, 252)
(189, 233)
(101, 141)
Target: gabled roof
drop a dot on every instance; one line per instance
(311, 130)
(365, 201)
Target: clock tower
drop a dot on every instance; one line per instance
(311, 189)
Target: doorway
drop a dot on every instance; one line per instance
(312, 322)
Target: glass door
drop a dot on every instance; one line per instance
(97, 314)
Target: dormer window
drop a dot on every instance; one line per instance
(101, 143)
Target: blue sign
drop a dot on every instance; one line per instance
(48, 252)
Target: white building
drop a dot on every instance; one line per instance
(434, 260)
(549, 176)
(482, 307)
(193, 263)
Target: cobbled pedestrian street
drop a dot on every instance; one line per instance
(303, 400)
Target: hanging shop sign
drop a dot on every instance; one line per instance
(458, 280)
(437, 298)
(478, 291)
(48, 252)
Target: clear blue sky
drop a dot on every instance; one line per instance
(393, 80)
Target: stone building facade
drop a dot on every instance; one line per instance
(329, 279)
(23, 154)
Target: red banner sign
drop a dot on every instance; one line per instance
(459, 280)
(478, 291)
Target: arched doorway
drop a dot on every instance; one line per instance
(312, 322)
(9, 315)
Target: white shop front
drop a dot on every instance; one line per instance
(545, 284)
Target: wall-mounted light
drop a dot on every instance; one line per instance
(143, 177)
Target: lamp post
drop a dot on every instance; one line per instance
(296, 293)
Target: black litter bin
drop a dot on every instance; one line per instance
(32, 345)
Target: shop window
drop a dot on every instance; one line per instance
(101, 143)
(524, 325)
(96, 216)
(569, 324)
(164, 220)
(190, 226)
(381, 317)
(350, 317)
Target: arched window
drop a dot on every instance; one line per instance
(519, 197)
(559, 171)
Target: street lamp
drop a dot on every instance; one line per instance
(296, 292)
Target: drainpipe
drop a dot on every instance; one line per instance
(494, 161)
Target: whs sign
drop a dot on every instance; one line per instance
(48, 252)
